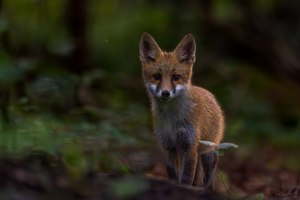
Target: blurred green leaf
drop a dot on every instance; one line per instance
(225, 10)
(127, 187)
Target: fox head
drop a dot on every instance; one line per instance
(167, 74)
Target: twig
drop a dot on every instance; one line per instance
(221, 146)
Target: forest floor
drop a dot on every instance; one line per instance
(38, 175)
(265, 174)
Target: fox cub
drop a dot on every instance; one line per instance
(183, 114)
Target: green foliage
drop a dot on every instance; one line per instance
(226, 10)
(82, 145)
(87, 116)
(127, 187)
(259, 196)
(110, 42)
(9, 73)
(33, 22)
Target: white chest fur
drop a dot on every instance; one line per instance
(171, 123)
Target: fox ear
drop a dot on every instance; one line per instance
(186, 49)
(149, 50)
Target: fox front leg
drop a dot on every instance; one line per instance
(171, 171)
(189, 169)
(182, 167)
(175, 165)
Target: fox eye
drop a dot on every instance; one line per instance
(176, 77)
(156, 77)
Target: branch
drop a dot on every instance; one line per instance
(221, 146)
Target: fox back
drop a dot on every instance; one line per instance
(183, 114)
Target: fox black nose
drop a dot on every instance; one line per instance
(165, 93)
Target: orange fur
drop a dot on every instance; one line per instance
(183, 113)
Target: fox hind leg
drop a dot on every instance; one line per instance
(209, 164)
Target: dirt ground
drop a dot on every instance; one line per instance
(41, 176)
(265, 173)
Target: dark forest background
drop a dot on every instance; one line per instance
(71, 91)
